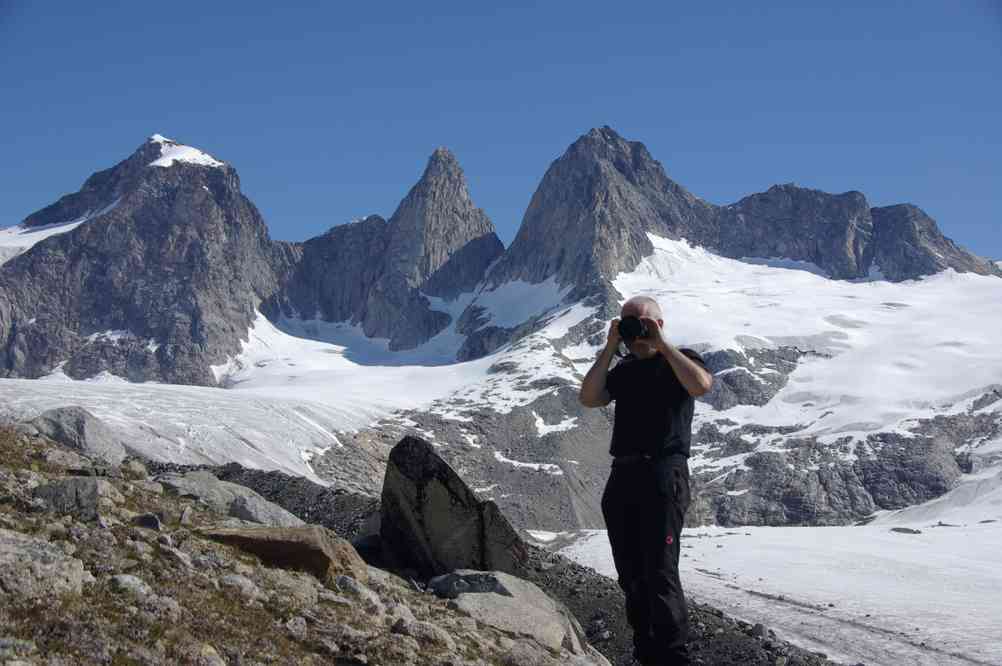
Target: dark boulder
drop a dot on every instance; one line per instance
(434, 523)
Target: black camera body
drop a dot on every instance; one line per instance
(632, 328)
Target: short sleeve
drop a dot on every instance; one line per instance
(612, 382)
(694, 355)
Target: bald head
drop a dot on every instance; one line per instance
(642, 306)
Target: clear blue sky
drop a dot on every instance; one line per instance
(330, 112)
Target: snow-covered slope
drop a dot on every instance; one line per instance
(897, 351)
(859, 594)
(18, 238)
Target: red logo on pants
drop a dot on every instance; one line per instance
(669, 540)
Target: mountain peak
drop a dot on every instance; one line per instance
(589, 218)
(443, 164)
(164, 152)
(603, 140)
(435, 219)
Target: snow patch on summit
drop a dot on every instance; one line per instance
(172, 151)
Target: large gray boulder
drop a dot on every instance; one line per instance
(432, 522)
(228, 499)
(518, 607)
(86, 498)
(78, 429)
(32, 568)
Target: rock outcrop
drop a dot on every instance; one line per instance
(81, 497)
(312, 549)
(833, 231)
(228, 499)
(518, 607)
(909, 244)
(76, 428)
(842, 235)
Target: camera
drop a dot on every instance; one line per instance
(632, 328)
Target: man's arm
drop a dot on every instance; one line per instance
(696, 379)
(692, 375)
(593, 391)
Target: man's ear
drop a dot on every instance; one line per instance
(661, 323)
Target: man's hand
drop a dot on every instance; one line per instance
(614, 337)
(692, 376)
(593, 391)
(655, 336)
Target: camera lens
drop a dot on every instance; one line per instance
(631, 328)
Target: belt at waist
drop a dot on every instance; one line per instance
(644, 457)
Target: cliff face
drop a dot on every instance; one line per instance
(589, 216)
(438, 244)
(834, 232)
(379, 274)
(909, 244)
(160, 282)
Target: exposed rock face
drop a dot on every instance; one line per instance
(336, 272)
(589, 216)
(158, 287)
(378, 273)
(906, 470)
(841, 234)
(433, 522)
(76, 428)
(833, 231)
(909, 245)
(435, 220)
(814, 483)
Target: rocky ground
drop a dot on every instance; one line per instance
(116, 569)
(105, 563)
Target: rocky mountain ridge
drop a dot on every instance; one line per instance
(176, 259)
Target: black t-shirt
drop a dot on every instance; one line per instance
(653, 409)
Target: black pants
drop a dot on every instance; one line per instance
(644, 506)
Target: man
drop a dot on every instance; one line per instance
(647, 493)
